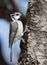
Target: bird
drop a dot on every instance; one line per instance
(16, 30)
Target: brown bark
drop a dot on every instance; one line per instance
(36, 45)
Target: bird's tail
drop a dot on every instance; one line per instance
(11, 53)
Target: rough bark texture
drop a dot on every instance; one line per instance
(34, 51)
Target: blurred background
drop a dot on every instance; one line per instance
(8, 7)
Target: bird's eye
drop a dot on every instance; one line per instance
(17, 14)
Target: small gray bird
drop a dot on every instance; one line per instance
(16, 30)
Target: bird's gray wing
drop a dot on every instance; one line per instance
(13, 31)
(14, 26)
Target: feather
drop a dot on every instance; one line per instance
(16, 30)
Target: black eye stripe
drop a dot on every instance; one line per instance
(13, 17)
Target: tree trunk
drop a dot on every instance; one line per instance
(34, 51)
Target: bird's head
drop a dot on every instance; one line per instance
(15, 16)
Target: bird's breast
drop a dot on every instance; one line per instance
(20, 29)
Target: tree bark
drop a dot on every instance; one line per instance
(34, 51)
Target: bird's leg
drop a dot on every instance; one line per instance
(26, 29)
(22, 39)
